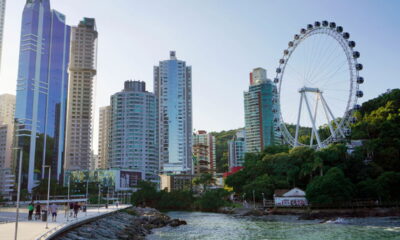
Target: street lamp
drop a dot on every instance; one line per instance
(48, 196)
(18, 190)
(98, 200)
(87, 195)
(68, 213)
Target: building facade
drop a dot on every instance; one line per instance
(204, 151)
(42, 87)
(7, 109)
(176, 182)
(2, 17)
(133, 138)
(104, 137)
(201, 162)
(82, 73)
(237, 149)
(258, 108)
(173, 88)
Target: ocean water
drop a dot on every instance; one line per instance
(213, 226)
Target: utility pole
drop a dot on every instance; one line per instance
(87, 195)
(69, 178)
(48, 196)
(19, 191)
(98, 200)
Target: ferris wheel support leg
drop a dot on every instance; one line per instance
(328, 120)
(296, 137)
(333, 117)
(315, 118)
(313, 122)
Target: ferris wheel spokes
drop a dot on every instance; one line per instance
(333, 117)
(303, 92)
(315, 118)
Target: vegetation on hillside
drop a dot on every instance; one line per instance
(147, 195)
(221, 146)
(334, 174)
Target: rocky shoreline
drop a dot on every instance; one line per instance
(132, 223)
(316, 214)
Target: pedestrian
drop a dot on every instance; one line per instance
(53, 210)
(71, 209)
(38, 212)
(76, 209)
(30, 209)
(66, 208)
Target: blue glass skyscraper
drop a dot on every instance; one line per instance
(42, 91)
(173, 88)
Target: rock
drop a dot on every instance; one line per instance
(177, 222)
(134, 223)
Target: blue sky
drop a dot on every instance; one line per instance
(222, 40)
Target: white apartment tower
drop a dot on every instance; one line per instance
(7, 109)
(82, 73)
(173, 88)
(104, 137)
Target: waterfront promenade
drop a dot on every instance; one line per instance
(32, 230)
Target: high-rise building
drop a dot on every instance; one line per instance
(134, 141)
(258, 108)
(237, 149)
(173, 88)
(7, 108)
(204, 150)
(82, 73)
(42, 87)
(2, 16)
(104, 137)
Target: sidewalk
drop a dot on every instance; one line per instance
(30, 230)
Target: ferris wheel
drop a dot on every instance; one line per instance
(317, 86)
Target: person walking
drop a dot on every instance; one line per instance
(53, 210)
(76, 209)
(66, 209)
(71, 209)
(38, 212)
(30, 209)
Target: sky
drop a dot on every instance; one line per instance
(222, 40)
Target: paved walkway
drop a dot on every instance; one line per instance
(31, 230)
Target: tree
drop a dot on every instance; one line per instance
(262, 184)
(146, 194)
(334, 187)
(205, 179)
(236, 181)
(40, 191)
(212, 200)
(175, 200)
(388, 186)
(367, 189)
